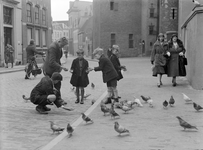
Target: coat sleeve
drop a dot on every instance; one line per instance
(101, 65)
(115, 62)
(52, 58)
(35, 51)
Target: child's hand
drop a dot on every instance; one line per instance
(71, 71)
(123, 68)
(65, 69)
(90, 69)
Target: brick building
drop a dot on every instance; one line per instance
(36, 24)
(10, 28)
(117, 22)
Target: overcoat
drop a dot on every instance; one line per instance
(108, 71)
(77, 72)
(117, 65)
(52, 63)
(9, 52)
(158, 57)
(173, 62)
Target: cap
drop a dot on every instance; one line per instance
(56, 76)
(115, 47)
(161, 34)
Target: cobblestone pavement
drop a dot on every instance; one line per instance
(150, 128)
(21, 127)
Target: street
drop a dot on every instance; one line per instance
(22, 128)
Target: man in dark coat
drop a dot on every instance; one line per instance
(52, 63)
(45, 93)
(31, 52)
(108, 72)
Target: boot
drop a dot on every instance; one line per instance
(78, 96)
(41, 110)
(46, 108)
(108, 101)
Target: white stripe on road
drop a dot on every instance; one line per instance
(60, 137)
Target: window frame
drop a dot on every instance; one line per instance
(130, 41)
(7, 15)
(113, 38)
(37, 42)
(29, 12)
(36, 14)
(44, 16)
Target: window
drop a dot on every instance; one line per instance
(29, 35)
(29, 16)
(111, 5)
(7, 15)
(131, 41)
(151, 29)
(113, 39)
(37, 33)
(151, 11)
(44, 38)
(37, 15)
(173, 14)
(43, 16)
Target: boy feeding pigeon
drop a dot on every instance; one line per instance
(109, 74)
(45, 93)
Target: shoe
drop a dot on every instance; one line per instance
(158, 85)
(41, 110)
(108, 101)
(26, 77)
(174, 84)
(81, 102)
(46, 108)
(77, 101)
(161, 83)
(116, 100)
(63, 102)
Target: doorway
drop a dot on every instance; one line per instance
(7, 36)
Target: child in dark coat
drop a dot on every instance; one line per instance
(79, 78)
(109, 74)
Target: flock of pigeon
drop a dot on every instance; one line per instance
(126, 106)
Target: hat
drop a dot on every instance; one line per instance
(64, 40)
(174, 35)
(56, 76)
(161, 34)
(80, 51)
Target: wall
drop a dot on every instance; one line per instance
(192, 36)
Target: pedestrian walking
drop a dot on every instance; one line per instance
(176, 50)
(45, 93)
(158, 58)
(31, 60)
(52, 63)
(109, 74)
(79, 78)
(8, 53)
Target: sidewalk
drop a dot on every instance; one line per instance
(150, 128)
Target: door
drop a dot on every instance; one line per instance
(7, 36)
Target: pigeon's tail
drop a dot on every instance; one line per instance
(25, 98)
(126, 130)
(194, 127)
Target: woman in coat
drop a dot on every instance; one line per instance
(176, 49)
(158, 58)
(79, 78)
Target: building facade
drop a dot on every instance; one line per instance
(60, 29)
(118, 22)
(79, 12)
(10, 28)
(36, 24)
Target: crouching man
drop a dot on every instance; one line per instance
(45, 93)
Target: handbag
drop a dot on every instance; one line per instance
(184, 60)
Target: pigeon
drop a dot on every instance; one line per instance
(197, 107)
(184, 124)
(165, 104)
(186, 98)
(131, 103)
(92, 85)
(120, 129)
(70, 130)
(171, 101)
(112, 111)
(104, 109)
(93, 101)
(118, 105)
(55, 128)
(144, 98)
(138, 102)
(150, 101)
(126, 108)
(85, 118)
